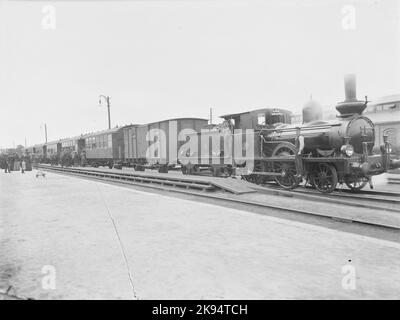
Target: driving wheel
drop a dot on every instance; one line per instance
(287, 168)
(324, 177)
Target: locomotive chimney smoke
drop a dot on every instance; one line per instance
(312, 111)
(350, 106)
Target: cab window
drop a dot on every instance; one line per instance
(276, 118)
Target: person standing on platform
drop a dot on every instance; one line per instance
(7, 166)
(23, 166)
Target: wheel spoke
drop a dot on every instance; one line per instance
(324, 177)
(287, 168)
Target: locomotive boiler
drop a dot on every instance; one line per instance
(325, 153)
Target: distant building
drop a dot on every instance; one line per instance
(384, 109)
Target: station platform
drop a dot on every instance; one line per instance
(111, 242)
(230, 184)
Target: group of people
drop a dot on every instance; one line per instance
(15, 162)
(9, 164)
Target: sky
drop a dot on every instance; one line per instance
(167, 59)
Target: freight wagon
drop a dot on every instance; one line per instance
(156, 145)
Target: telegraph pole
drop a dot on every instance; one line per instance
(107, 98)
(45, 132)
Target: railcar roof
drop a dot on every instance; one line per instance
(69, 139)
(96, 133)
(52, 142)
(187, 118)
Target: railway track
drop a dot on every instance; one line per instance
(184, 185)
(379, 200)
(150, 180)
(394, 180)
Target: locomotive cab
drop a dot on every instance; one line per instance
(258, 119)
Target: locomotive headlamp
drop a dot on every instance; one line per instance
(347, 149)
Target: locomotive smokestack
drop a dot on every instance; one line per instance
(350, 106)
(350, 87)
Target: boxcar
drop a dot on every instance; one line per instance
(156, 145)
(103, 148)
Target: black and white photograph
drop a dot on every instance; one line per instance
(209, 151)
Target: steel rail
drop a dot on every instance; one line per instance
(347, 198)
